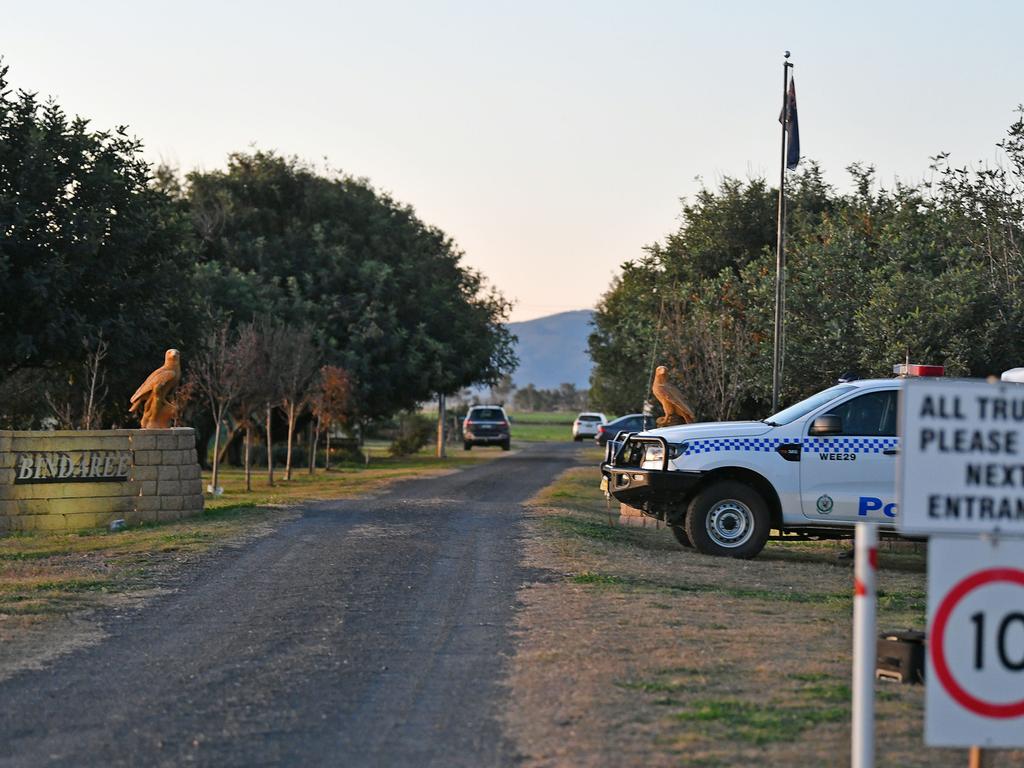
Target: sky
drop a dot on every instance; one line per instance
(552, 140)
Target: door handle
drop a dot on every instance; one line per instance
(891, 451)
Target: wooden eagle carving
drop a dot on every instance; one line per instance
(153, 395)
(671, 399)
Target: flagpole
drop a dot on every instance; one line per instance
(780, 246)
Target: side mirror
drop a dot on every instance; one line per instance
(828, 424)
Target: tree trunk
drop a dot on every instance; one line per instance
(216, 450)
(248, 451)
(314, 438)
(327, 453)
(227, 442)
(309, 447)
(440, 426)
(291, 437)
(270, 448)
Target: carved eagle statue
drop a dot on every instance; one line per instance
(671, 399)
(154, 392)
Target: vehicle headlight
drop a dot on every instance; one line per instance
(656, 451)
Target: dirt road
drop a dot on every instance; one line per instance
(365, 632)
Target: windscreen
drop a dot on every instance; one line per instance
(794, 412)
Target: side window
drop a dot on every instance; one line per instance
(870, 415)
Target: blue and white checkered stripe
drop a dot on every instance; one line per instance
(809, 444)
(744, 444)
(849, 444)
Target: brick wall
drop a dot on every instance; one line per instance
(68, 480)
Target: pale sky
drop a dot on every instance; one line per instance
(552, 140)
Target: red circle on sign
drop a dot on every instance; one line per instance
(942, 671)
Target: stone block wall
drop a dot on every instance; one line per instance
(68, 480)
(633, 517)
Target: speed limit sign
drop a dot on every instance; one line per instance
(975, 676)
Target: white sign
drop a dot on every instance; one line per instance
(961, 457)
(975, 675)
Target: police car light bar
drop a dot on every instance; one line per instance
(910, 369)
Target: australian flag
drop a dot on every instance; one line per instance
(788, 119)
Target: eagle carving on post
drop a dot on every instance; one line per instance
(671, 399)
(153, 395)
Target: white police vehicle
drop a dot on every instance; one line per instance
(812, 470)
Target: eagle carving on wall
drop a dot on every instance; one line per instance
(153, 395)
(671, 399)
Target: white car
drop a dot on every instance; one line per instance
(811, 470)
(586, 425)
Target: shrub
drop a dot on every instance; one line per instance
(414, 432)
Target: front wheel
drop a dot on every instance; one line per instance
(728, 519)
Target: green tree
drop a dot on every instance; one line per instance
(932, 271)
(89, 250)
(386, 293)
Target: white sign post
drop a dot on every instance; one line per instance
(961, 481)
(865, 638)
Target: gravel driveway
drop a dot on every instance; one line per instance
(365, 632)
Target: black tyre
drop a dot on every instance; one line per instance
(728, 519)
(466, 446)
(578, 438)
(507, 445)
(680, 533)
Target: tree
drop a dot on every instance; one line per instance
(89, 249)
(627, 330)
(331, 402)
(932, 271)
(708, 342)
(90, 385)
(273, 353)
(299, 358)
(386, 294)
(218, 374)
(253, 392)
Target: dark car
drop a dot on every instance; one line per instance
(486, 425)
(633, 422)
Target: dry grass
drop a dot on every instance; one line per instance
(343, 481)
(47, 574)
(637, 652)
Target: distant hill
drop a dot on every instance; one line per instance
(553, 350)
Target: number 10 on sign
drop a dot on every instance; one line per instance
(975, 678)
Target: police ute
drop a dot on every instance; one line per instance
(812, 470)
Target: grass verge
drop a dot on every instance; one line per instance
(341, 481)
(677, 658)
